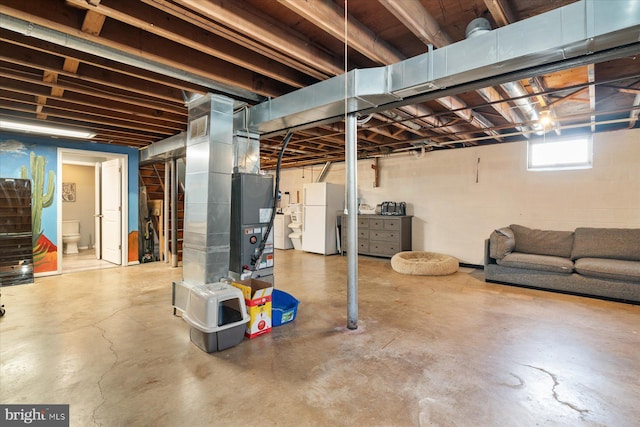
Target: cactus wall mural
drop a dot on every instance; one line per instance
(43, 191)
(36, 158)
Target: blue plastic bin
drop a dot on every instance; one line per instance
(283, 307)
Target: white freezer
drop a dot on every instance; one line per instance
(321, 203)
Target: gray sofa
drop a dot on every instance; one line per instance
(600, 262)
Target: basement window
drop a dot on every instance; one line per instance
(560, 154)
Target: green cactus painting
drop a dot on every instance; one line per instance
(40, 198)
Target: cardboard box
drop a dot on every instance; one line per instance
(254, 290)
(257, 296)
(259, 320)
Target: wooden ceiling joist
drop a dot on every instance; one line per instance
(127, 68)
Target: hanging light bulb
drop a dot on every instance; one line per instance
(545, 118)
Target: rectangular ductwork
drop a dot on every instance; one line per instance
(207, 207)
(567, 33)
(172, 147)
(246, 152)
(362, 89)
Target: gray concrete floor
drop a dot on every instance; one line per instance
(442, 351)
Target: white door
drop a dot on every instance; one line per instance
(111, 195)
(98, 211)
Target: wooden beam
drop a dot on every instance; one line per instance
(501, 12)
(138, 43)
(104, 133)
(25, 93)
(93, 22)
(98, 93)
(87, 118)
(152, 21)
(268, 30)
(629, 90)
(47, 77)
(376, 174)
(164, 86)
(242, 38)
(330, 17)
(93, 75)
(416, 18)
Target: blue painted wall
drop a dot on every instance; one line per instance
(15, 151)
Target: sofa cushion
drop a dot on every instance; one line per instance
(552, 264)
(609, 269)
(613, 243)
(501, 243)
(542, 242)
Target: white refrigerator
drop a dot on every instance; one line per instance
(322, 201)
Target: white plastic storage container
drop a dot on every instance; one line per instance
(217, 315)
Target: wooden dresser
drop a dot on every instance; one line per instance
(379, 235)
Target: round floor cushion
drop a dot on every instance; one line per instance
(424, 263)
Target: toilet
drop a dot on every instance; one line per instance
(71, 236)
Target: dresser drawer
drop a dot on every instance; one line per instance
(376, 223)
(362, 233)
(362, 222)
(383, 248)
(386, 236)
(363, 246)
(392, 224)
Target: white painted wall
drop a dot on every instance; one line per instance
(454, 214)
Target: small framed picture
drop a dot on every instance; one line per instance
(68, 191)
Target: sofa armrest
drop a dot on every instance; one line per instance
(487, 258)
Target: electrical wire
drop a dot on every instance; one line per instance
(256, 259)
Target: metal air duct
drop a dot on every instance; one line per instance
(480, 26)
(172, 147)
(528, 108)
(573, 33)
(476, 27)
(505, 109)
(323, 172)
(207, 216)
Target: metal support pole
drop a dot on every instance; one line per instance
(351, 147)
(174, 213)
(165, 213)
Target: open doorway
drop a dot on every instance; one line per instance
(92, 213)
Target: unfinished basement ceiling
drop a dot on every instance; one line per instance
(123, 69)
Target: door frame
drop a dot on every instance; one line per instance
(89, 158)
